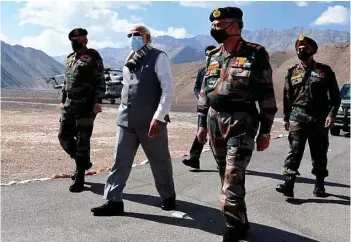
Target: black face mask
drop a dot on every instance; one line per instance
(76, 46)
(221, 35)
(303, 55)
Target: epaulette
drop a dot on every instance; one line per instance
(215, 50)
(255, 46)
(293, 67)
(70, 55)
(93, 52)
(323, 66)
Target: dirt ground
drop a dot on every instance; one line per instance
(30, 148)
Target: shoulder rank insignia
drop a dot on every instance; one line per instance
(296, 77)
(301, 37)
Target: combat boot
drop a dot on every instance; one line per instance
(234, 234)
(192, 162)
(78, 183)
(73, 176)
(288, 187)
(319, 190)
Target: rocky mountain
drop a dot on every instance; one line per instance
(21, 67)
(273, 40)
(192, 49)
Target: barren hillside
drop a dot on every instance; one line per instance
(335, 55)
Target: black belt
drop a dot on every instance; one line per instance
(232, 107)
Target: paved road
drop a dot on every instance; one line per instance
(46, 211)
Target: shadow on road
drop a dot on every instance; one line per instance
(204, 171)
(200, 217)
(299, 179)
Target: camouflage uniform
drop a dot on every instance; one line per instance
(226, 106)
(84, 86)
(306, 107)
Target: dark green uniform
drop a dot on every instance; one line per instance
(310, 95)
(232, 84)
(84, 86)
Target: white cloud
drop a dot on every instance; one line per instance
(212, 4)
(3, 37)
(334, 15)
(105, 28)
(301, 3)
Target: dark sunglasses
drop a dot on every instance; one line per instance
(133, 34)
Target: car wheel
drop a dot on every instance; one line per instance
(335, 131)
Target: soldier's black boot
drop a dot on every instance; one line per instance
(192, 162)
(319, 190)
(73, 176)
(231, 234)
(78, 183)
(109, 208)
(236, 233)
(288, 187)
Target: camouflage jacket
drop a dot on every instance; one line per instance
(84, 83)
(234, 82)
(308, 89)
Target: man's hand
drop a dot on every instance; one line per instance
(155, 128)
(262, 142)
(61, 106)
(329, 122)
(97, 108)
(201, 135)
(286, 126)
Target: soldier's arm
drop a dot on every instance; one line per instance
(334, 94)
(198, 83)
(99, 77)
(63, 90)
(203, 105)
(287, 98)
(266, 96)
(64, 93)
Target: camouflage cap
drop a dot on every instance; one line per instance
(306, 42)
(77, 32)
(227, 12)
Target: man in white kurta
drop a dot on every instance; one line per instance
(142, 118)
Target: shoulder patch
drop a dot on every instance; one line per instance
(255, 46)
(323, 66)
(94, 53)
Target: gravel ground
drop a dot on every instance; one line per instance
(30, 148)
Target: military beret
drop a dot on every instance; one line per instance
(227, 12)
(307, 42)
(77, 32)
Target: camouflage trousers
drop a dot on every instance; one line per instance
(231, 138)
(74, 135)
(318, 140)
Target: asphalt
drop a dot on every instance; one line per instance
(47, 211)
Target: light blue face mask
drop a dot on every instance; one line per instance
(136, 42)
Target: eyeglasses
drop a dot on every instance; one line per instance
(134, 34)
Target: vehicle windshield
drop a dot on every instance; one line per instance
(345, 92)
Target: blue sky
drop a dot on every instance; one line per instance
(44, 25)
